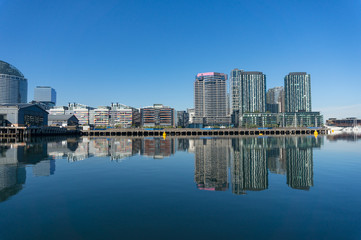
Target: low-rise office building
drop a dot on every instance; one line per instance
(157, 115)
(100, 116)
(122, 116)
(80, 111)
(347, 122)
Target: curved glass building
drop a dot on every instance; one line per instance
(13, 85)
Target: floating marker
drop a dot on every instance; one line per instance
(316, 134)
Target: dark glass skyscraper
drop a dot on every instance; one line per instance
(298, 92)
(248, 91)
(13, 85)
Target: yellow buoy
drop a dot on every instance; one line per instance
(164, 135)
(316, 134)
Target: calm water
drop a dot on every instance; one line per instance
(203, 188)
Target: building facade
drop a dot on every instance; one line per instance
(347, 122)
(182, 119)
(80, 111)
(45, 95)
(275, 100)
(297, 87)
(299, 119)
(124, 116)
(248, 91)
(24, 114)
(100, 116)
(62, 120)
(210, 99)
(13, 85)
(157, 115)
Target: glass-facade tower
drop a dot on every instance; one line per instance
(13, 85)
(45, 94)
(297, 89)
(248, 91)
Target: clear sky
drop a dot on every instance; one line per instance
(140, 52)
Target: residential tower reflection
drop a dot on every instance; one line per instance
(239, 164)
(211, 164)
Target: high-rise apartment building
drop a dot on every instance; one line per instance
(45, 95)
(275, 100)
(157, 115)
(13, 84)
(298, 92)
(210, 99)
(248, 91)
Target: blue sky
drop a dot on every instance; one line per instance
(144, 52)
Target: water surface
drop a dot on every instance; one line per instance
(178, 188)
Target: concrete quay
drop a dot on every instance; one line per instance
(191, 132)
(26, 132)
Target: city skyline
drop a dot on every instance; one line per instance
(122, 52)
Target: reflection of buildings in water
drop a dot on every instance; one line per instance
(69, 149)
(99, 147)
(344, 136)
(12, 178)
(295, 158)
(157, 147)
(211, 164)
(182, 144)
(299, 167)
(122, 148)
(276, 162)
(303, 142)
(31, 153)
(192, 146)
(12, 170)
(249, 168)
(116, 148)
(44, 168)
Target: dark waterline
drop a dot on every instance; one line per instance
(201, 188)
